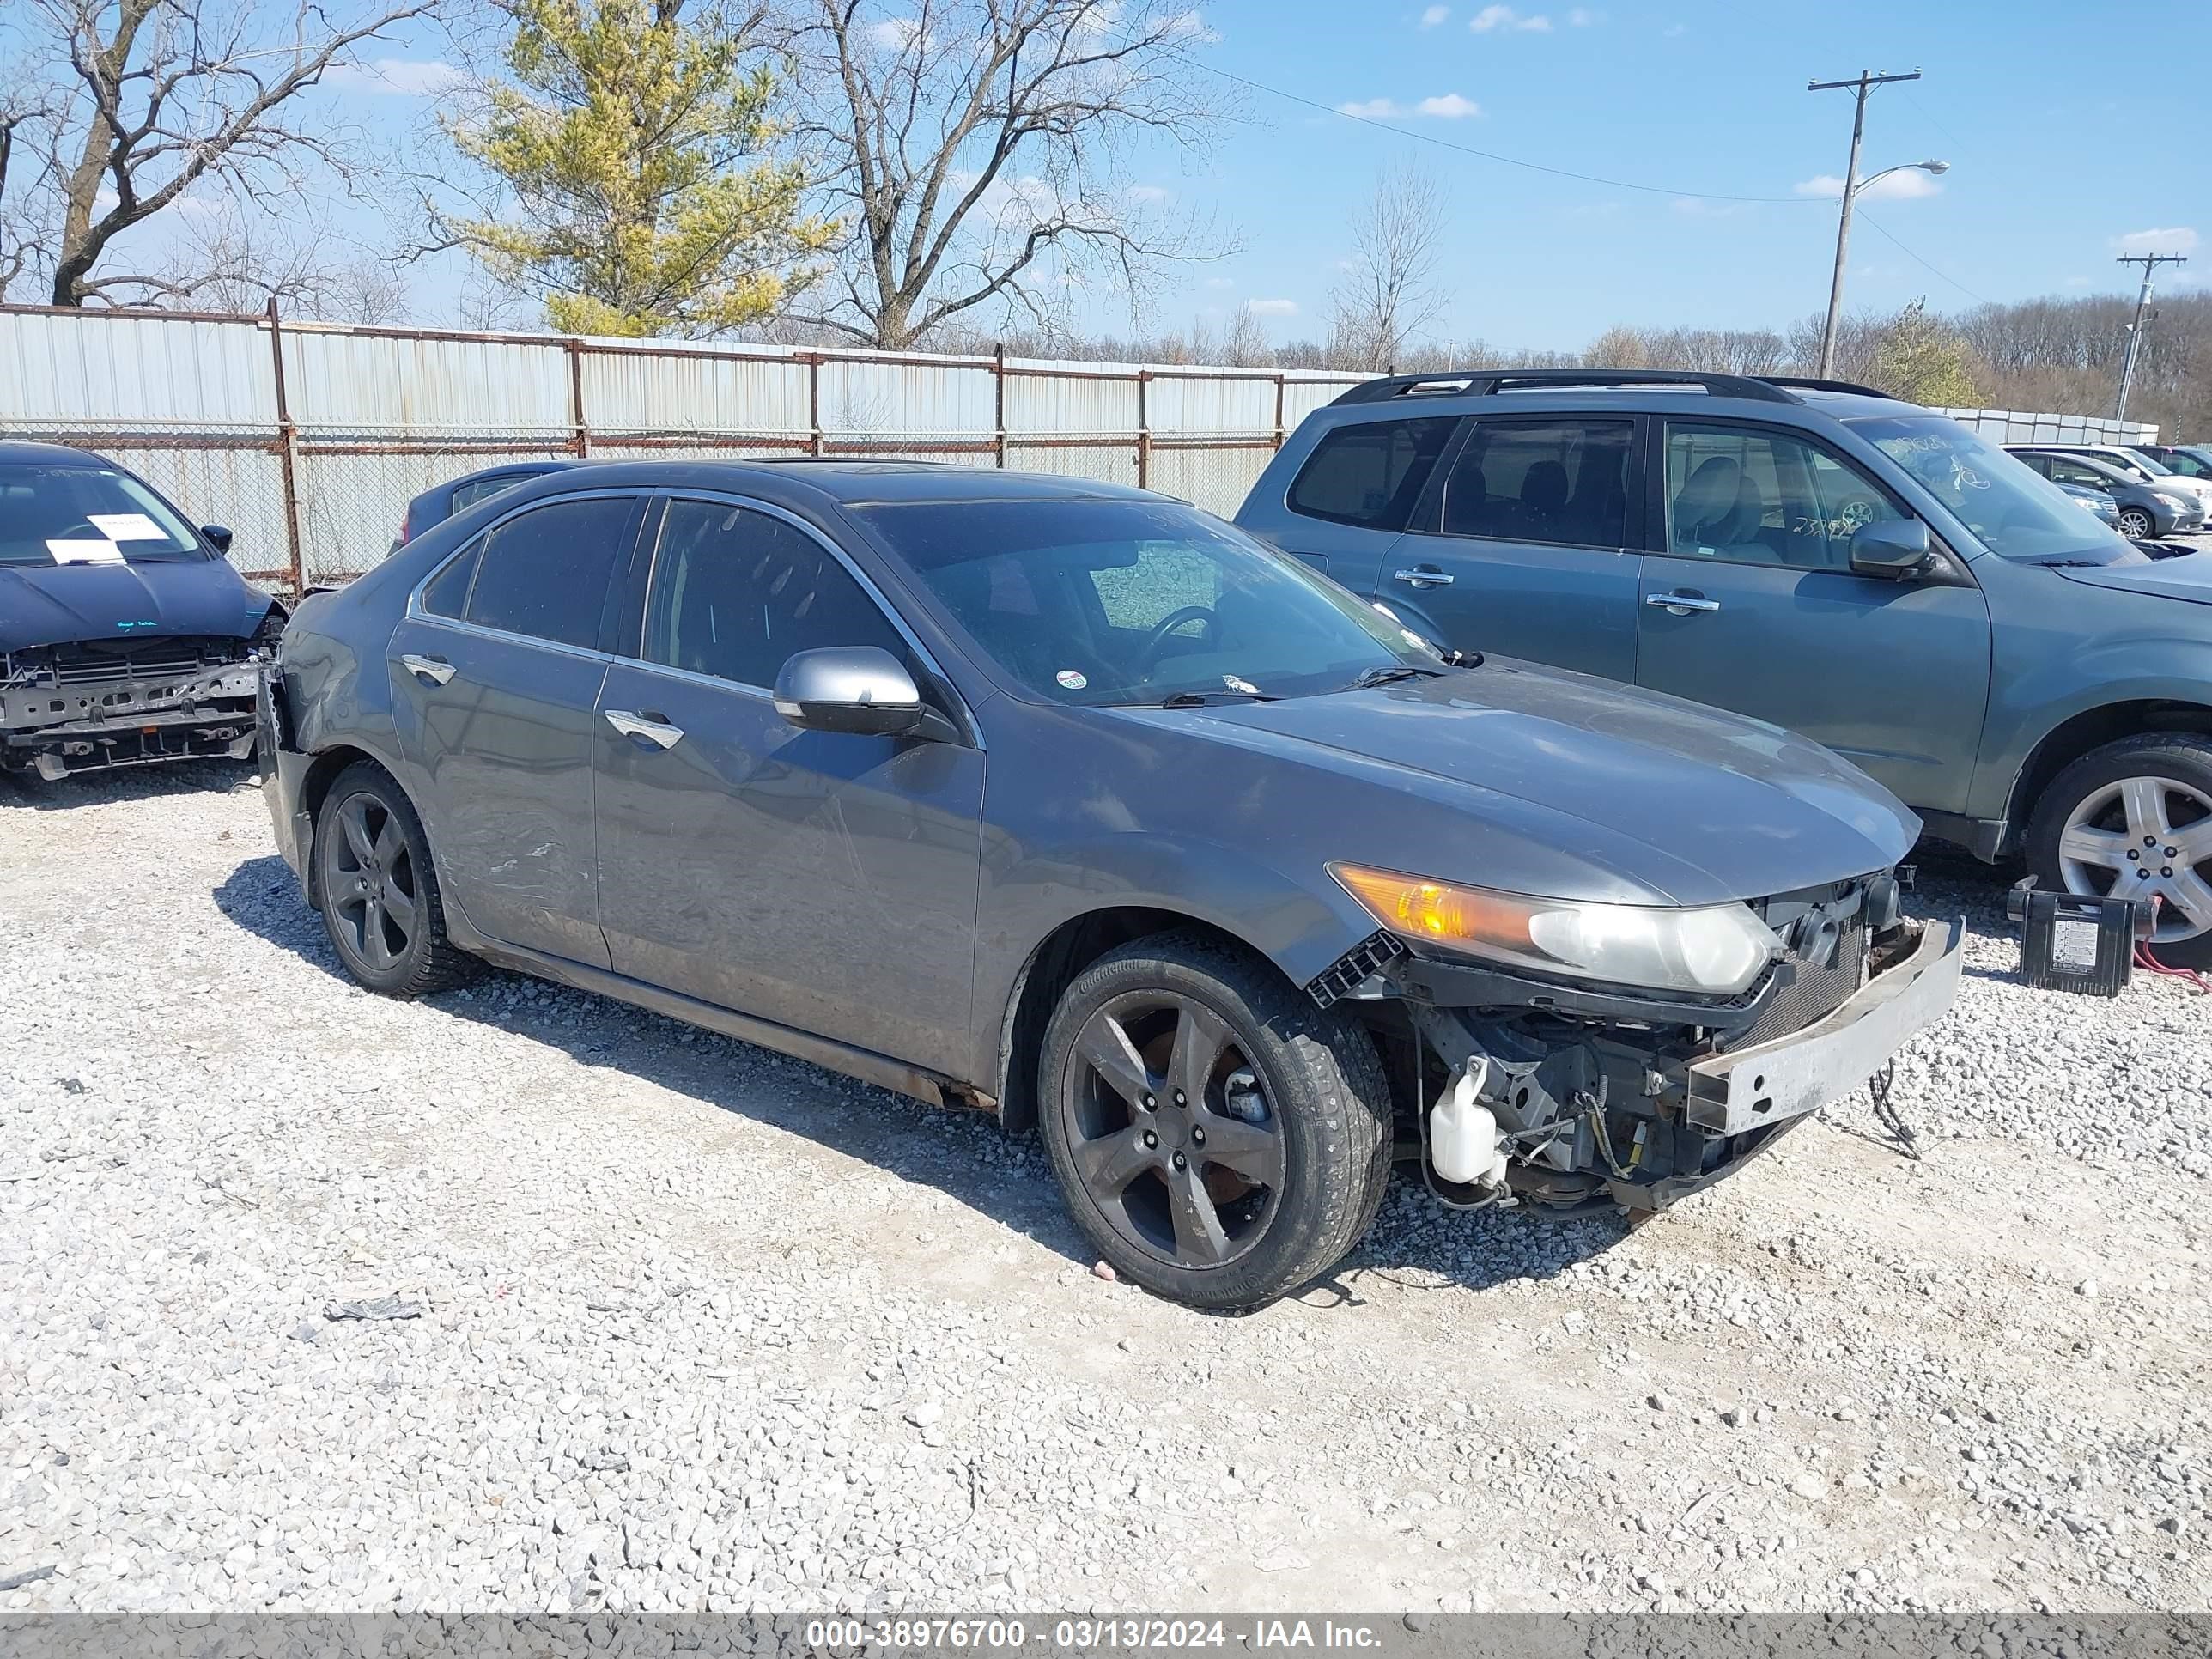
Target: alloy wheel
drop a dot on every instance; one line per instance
(1170, 1130)
(2135, 525)
(2144, 838)
(373, 889)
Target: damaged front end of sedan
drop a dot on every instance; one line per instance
(90, 705)
(1567, 1094)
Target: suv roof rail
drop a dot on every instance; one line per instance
(1815, 383)
(1481, 382)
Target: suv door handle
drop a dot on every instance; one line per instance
(648, 726)
(1424, 575)
(436, 670)
(1682, 605)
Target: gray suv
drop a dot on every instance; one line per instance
(1080, 806)
(1865, 572)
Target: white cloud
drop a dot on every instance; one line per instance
(1583, 17)
(1698, 207)
(2179, 239)
(1907, 185)
(1674, 31)
(1445, 106)
(1149, 193)
(2076, 282)
(1434, 15)
(1505, 17)
(1221, 282)
(1272, 307)
(405, 77)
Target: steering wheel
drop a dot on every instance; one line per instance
(1167, 624)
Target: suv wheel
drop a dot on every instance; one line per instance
(2135, 525)
(378, 891)
(2134, 819)
(1219, 1139)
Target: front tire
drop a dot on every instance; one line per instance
(1219, 1139)
(2134, 820)
(2137, 525)
(378, 891)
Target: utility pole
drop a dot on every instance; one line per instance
(1864, 83)
(2150, 262)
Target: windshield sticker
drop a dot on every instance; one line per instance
(1071, 679)
(84, 552)
(1236, 684)
(126, 526)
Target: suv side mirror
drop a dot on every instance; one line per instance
(1894, 548)
(218, 536)
(859, 689)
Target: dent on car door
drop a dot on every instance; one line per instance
(1524, 550)
(495, 673)
(1750, 604)
(823, 880)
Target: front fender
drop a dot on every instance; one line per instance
(2029, 706)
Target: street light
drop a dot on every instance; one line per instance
(1853, 186)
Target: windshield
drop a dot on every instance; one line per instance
(1099, 603)
(2012, 509)
(2150, 464)
(87, 515)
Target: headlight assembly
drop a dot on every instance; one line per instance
(1717, 950)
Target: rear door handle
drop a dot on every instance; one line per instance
(1682, 605)
(647, 727)
(1426, 575)
(436, 670)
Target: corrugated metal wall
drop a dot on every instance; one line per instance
(313, 464)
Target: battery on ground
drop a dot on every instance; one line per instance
(2076, 941)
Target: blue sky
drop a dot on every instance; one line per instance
(2064, 149)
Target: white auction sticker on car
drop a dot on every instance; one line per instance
(126, 526)
(66, 551)
(1071, 679)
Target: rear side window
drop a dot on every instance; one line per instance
(1369, 474)
(448, 594)
(469, 495)
(1562, 482)
(544, 573)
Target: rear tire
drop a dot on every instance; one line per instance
(1265, 1149)
(2134, 819)
(378, 889)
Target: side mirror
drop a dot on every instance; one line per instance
(859, 688)
(218, 536)
(1894, 548)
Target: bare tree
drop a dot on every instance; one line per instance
(1388, 293)
(149, 98)
(978, 151)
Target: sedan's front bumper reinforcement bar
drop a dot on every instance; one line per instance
(1748, 1089)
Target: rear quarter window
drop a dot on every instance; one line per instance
(1371, 474)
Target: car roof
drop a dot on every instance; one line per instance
(858, 481)
(25, 453)
(1503, 392)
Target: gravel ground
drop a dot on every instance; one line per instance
(684, 1325)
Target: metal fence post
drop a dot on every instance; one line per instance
(814, 400)
(287, 456)
(581, 439)
(999, 399)
(1280, 385)
(1144, 430)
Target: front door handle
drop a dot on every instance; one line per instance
(647, 726)
(436, 670)
(1426, 575)
(1682, 605)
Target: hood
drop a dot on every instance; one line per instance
(1690, 805)
(2189, 577)
(58, 603)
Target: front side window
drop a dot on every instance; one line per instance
(1561, 483)
(1751, 496)
(1108, 602)
(735, 593)
(1369, 474)
(2010, 510)
(544, 573)
(87, 515)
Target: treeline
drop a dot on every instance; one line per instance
(2048, 354)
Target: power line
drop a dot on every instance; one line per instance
(1483, 155)
(1923, 263)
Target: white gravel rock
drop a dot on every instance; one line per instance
(699, 1328)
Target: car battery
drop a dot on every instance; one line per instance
(2076, 942)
